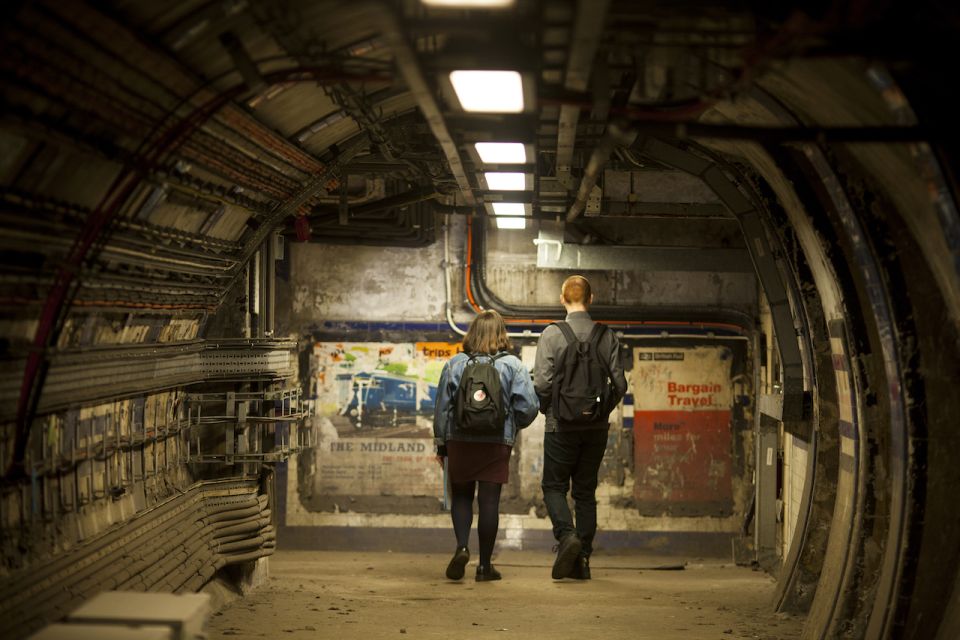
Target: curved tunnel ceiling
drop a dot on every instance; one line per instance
(149, 149)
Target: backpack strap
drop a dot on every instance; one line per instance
(596, 335)
(567, 332)
(493, 357)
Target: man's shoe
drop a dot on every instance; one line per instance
(457, 563)
(567, 552)
(487, 573)
(581, 568)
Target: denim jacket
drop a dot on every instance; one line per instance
(520, 399)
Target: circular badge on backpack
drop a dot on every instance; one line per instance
(479, 395)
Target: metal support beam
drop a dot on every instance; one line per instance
(615, 136)
(764, 259)
(406, 61)
(588, 27)
(243, 62)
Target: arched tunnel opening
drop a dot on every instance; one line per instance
(241, 241)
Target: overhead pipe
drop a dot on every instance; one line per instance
(401, 199)
(539, 317)
(587, 29)
(617, 135)
(405, 57)
(479, 297)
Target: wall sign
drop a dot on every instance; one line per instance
(377, 399)
(682, 431)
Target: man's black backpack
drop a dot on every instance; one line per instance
(582, 389)
(479, 401)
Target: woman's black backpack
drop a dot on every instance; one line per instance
(479, 401)
(582, 389)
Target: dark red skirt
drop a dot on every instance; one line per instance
(484, 461)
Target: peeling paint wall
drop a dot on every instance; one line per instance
(379, 462)
(361, 283)
(374, 465)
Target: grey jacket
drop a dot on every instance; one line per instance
(551, 345)
(518, 395)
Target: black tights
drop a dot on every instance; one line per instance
(461, 508)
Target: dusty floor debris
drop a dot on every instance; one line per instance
(371, 595)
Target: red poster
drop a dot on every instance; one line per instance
(682, 437)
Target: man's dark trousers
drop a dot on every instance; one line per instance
(573, 455)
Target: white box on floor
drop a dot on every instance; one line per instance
(185, 614)
(101, 632)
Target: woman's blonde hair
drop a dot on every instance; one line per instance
(487, 334)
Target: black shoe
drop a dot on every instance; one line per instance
(567, 552)
(581, 568)
(487, 573)
(457, 563)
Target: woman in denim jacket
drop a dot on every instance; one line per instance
(480, 463)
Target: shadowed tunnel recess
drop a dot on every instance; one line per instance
(201, 200)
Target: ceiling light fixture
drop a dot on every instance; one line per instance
(469, 4)
(505, 181)
(504, 222)
(510, 215)
(488, 91)
(508, 208)
(501, 152)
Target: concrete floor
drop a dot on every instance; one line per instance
(369, 595)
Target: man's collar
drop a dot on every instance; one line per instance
(578, 314)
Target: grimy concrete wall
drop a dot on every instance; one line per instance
(373, 338)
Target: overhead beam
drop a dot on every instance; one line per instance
(615, 136)
(406, 60)
(765, 261)
(588, 27)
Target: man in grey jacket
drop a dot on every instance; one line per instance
(573, 452)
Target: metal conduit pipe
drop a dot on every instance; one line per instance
(200, 550)
(142, 572)
(203, 539)
(231, 547)
(448, 303)
(62, 597)
(540, 312)
(16, 589)
(688, 316)
(266, 531)
(196, 549)
(616, 135)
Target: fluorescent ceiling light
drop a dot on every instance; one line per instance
(501, 152)
(509, 215)
(508, 208)
(506, 181)
(468, 4)
(511, 223)
(488, 91)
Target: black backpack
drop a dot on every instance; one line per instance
(582, 390)
(478, 404)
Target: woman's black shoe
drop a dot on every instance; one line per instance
(457, 563)
(487, 573)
